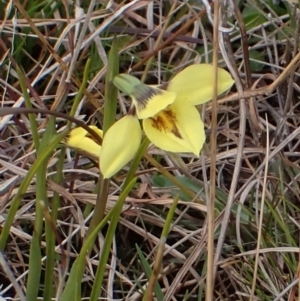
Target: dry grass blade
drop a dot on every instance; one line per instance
(210, 276)
(10, 276)
(257, 260)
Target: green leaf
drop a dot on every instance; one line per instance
(34, 274)
(147, 268)
(257, 56)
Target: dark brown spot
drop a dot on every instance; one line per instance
(171, 116)
(164, 86)
(88, 135)
(166, 121)
(132, 111)
(176, 132)
(158, 123)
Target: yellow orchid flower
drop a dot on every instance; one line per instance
(178, 128)
(170, 118)
(80, 140)
(171, 122)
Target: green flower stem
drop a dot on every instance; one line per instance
(96, 290)
(72, 291)
(110, 107)
(100, 205)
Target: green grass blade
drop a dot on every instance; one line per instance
(35, 255)
(111, 91)
(110, 107)
(50, 235)
(23, 187)
(81, 90)
(147, 268)
(32, 120)
(72, 290)
(96, 290)
(35, 266)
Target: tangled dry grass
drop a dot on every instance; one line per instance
(256, 234)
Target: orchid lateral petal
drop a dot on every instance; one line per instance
(178, 129)
(194, 84)
(148, 100)
(120, 144)
(80, 140)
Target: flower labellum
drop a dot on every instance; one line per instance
(178, 129)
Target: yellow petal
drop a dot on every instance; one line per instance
(178, 129)
(148, 100)
(194, 84)
(120, 144)
(80, 140)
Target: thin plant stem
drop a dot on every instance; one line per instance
(110, 107)
(23, 187)
(213, 140)
(96, 290)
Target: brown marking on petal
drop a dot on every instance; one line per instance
(67, 138)
(132, 111)
(166, 121)
(88, 135)
(171, 116)
(143, 94)
(158, 123)
(176, 132)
